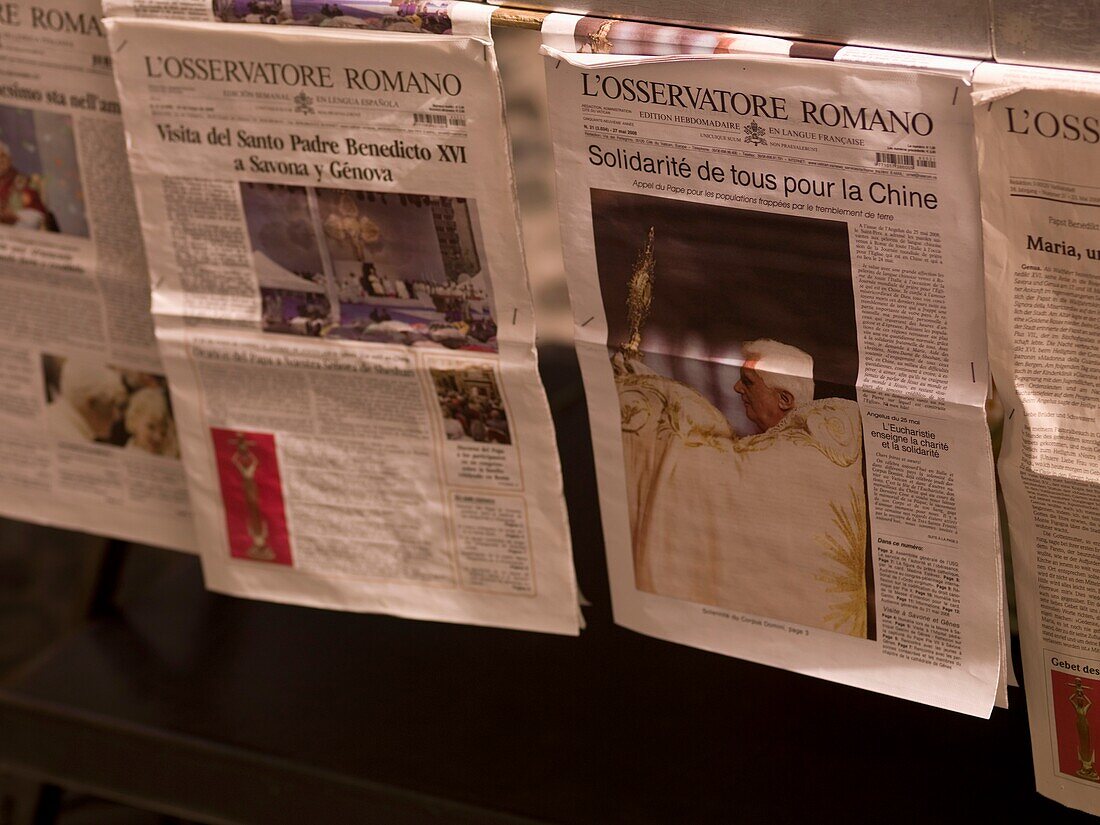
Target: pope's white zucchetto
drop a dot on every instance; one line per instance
(783, 367)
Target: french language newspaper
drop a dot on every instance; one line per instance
(343, 309)
(1038, 137)
(88, 439)
(775, 268)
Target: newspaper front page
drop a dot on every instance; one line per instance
(775, 268)
(88, 438)
(342, 305)
(1038, 135)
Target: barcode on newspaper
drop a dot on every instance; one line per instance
(907, 161)
(438, 120)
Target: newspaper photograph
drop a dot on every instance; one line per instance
(1037, 134)
(418, 16)
(345, 317)
(776, 279)
(89, 437)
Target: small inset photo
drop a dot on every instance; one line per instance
(270, 12)
(90, 400)
(471, 406)
(1072, 699)
(252, 492)
(39, 177)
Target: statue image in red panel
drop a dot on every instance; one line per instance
(1076, 727)
(248, 471)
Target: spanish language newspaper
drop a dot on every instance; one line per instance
(1038, 148)
(775, 268)
(88, 438)
(343, 309)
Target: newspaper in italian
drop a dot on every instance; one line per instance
(1038, 134)
(89, 439)
(775, 269)
(342, 306)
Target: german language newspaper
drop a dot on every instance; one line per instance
(89, 441)
(343, 308)
(775, 268)
(1038, 136)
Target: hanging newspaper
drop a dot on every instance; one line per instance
(342, 304)
(775, 270)
(599, 35)
(1038, 147)
(89, 439)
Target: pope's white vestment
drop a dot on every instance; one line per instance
(66, 423)
(773, 525)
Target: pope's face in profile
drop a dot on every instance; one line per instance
(103, 411)
(764, 406)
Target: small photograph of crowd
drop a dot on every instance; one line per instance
(470, 402)
(368, 266)
(430, 16)
(39, 177)
(269, 12)
(88, 400)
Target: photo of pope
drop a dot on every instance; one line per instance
(742, 439)
(91, 401)
(21, 201)
(771, 523)
(40, 180)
